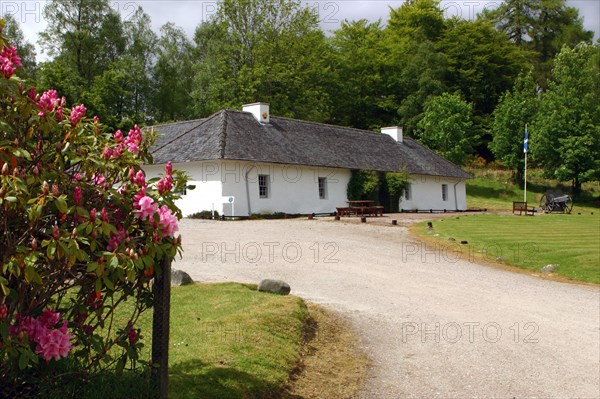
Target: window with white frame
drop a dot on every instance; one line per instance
(263, 186)
(408, 192)
(322, 187)
(444, 192)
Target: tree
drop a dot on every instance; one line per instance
(565, 137)
(76, 35)
(172, 74)
(447, 127)
(357, 76)
(263, 50)
(482, 62)
(83, 232)
(515, 109)
(414, 67)
(540, 26)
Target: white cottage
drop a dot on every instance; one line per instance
(250, 162)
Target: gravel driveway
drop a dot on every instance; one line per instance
(435, 325)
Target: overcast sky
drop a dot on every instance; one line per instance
(189, 13)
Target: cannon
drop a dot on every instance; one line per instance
(556, 203)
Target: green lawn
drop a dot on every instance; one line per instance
(530, 242)
(227, 341)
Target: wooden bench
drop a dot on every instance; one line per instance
(375, 210)
(522, 207)
(344, 211)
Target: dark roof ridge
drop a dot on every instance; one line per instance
(177, 122)
(223, 133)
(313, 123)
(200, 123)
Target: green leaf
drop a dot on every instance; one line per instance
(61, 204)
(23, 360)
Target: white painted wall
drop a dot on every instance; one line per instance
(292, 189)
(426, 193)
(205, 176)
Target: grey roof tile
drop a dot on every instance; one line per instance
(237, 135)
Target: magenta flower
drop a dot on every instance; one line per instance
(54, 344)
(167, 221)
(9, 61)
(77, 113)
(165, 184)
(147, 208)
(140, 179)
(134, 139)
(116, 239)
(118, 136)
(77, 195)
(10, 53)
(48, 102)
(49, 318)
(137, 197)
(169, 169)
(99, 180)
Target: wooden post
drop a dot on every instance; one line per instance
(160, 329)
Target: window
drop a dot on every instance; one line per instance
(263, 186)
(322, 187)
(444, 192)
(408, 193)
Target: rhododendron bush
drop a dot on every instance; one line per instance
(82, 232)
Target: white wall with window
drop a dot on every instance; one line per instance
(434, 192)
(289, 188)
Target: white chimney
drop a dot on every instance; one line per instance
(394, 131)
(259, 110)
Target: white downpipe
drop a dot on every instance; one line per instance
(455, 196)
(248, 189)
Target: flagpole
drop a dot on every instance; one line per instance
(525, 145)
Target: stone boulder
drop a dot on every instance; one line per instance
(179, 277)
(274, 286)
(548, 269)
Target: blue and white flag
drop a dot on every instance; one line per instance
(526, 141)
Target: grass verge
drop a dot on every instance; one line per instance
(231, 341)
(570, 241)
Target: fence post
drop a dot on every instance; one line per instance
(160, 328)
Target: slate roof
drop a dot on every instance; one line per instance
(237, 135)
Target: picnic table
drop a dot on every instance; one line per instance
(360, 208)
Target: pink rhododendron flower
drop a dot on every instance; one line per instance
(9, 61)
(165, 184)
(3, 311)
(48, 102)
(169, 168)
(77, 195)
(147, 208)
(140, 179)
(104, 215)
(137, 197)
(32, 94)
(59, 114)
(116, 239)
(133, 140)
(7, 68)
(10, 53)
(49, 318)
(54, 344)
(77, 113)
(99, 180)
(118, 136)
(167, 222)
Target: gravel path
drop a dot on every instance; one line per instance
(435, 325)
